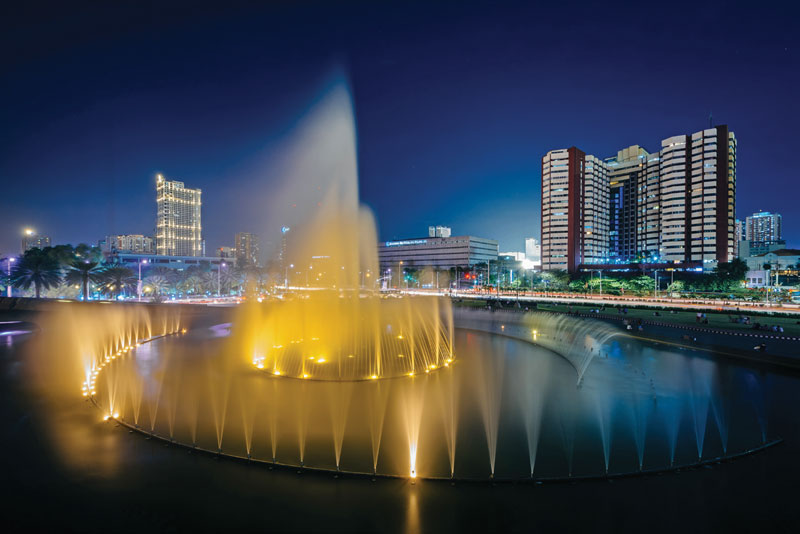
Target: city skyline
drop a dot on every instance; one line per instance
(423, 159)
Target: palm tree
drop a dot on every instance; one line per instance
(192, 284)
(38, 268)
(158, 284)
(210, 280)
(117, 279)
(83, 272)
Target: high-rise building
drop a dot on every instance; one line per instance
(763, 226)
(533, 251)
(738, 236)
(131, 243)
(178, 227)
(246, 245)
(674, 206)
(30, 239)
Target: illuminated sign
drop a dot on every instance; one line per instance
(284, 229)
(408, 242)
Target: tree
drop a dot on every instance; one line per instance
(192, 284)
(676, 287)
(37, 268)
(731, 273)
(82, 272)
(558, 279)
(157, 284)
(118, 279)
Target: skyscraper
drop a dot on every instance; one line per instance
(763, 226)
(178, 228)
(247, 251)
(673, 206)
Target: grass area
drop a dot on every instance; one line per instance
(719, 321)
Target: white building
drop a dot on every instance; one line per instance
(133, 243)
(439, 231)
(178, 227)
(533, 252)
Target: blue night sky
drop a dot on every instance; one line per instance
(455, 105)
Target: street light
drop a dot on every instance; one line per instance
(139, 284)
(219, 279)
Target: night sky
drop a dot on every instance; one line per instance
(455, 105)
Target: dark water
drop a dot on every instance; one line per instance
(67, 470)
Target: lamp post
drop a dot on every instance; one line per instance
(219, 278)
(655, 284)
(139, 283)
(9, 261)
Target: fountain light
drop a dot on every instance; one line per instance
(321, 360)
(374, 377)
(401, 356)
(116, 415)
(276, 373)
(413, 473)
(305, 375)
(106, 417)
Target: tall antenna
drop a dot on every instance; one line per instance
(710, 119)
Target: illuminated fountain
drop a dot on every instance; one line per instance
(329, 374)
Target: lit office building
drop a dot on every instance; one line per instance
(30, 239)
(178, 227)
(674, 206)
(763, 226)
(134, 243)
(437, 252)
(247, 251)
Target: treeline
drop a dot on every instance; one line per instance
(82, 272)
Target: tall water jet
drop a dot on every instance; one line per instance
(413, 401)
(447, 397)
(532, 386)
(339, 402)
(490, 394)
(699, 398)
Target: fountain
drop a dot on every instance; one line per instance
(330, 374)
